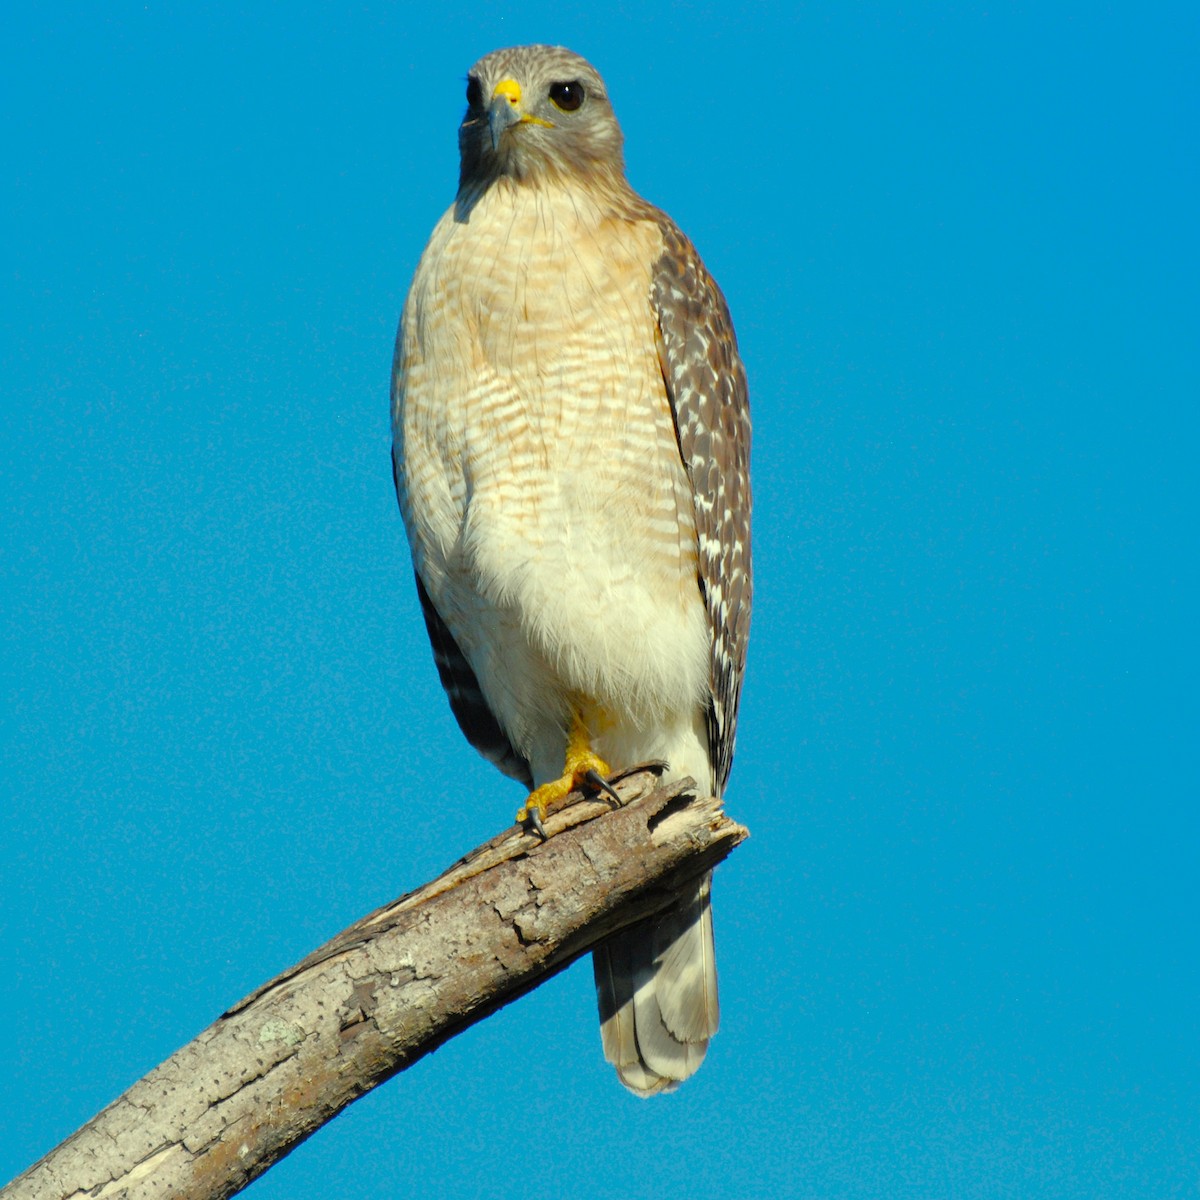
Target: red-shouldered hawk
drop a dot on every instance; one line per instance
(572, 444)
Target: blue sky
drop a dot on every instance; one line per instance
(958, 956)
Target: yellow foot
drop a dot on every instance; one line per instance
(576, 776)
(583, 771)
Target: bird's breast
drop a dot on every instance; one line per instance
(541, 461)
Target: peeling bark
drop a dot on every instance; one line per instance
(385, 992)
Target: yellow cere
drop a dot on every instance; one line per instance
(510, 89)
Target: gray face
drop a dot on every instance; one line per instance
(536, 111)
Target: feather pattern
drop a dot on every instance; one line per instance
(706, 384)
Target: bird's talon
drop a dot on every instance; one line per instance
(602, 785)
(532, 815)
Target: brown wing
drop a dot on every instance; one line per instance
(706, 383)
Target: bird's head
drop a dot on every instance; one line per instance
(537, 112)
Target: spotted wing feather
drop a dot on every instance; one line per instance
(706, 384)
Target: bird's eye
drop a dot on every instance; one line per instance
(474, 92)
(567, 96)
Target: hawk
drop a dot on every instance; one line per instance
(571, 455)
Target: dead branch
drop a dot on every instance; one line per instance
(391, 988)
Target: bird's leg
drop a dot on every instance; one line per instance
(583, 767)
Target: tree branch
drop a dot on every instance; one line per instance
(388, 990)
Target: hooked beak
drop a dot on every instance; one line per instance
(505, 109)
